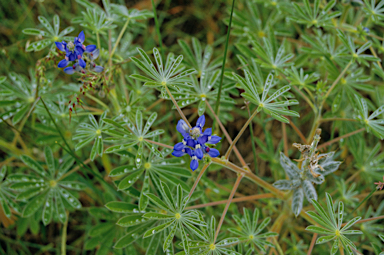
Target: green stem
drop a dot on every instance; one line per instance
(64, 237)
(177, 107)
(158, 29)
(98, 40)
(336, 81)
(119, 38)
(240, 133)
(335, 119)
(365, 199)
(223, 65)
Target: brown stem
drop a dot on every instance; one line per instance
(198, 179)
(75, 169)
(160, 144)
(339, 138)
(240, 133)
(238, 155)
(312, 244)
(250, 176)
(177, 107)
(366, 220)
(235, 186)
(235, 200)
(154, 104)
(305, 97)
(298, 132)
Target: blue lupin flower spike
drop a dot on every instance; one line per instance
(195, 142)
(74, 52)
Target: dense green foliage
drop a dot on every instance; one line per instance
(99, 151)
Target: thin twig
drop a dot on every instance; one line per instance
(229, 139)
(160, 144)
(235, 186)
(339, 138)
(285, 139)
(154, 104)
(249, 175)
(235, 200)
(177, 107)
(198, 179)
(240, 133)
(314, 237)
(298, 132)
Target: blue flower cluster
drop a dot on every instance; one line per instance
(78, 52)
(195, 142)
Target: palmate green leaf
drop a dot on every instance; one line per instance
(130, 180)
(50, 160)
(73, 201)
(4, 205)
(34, 204)
(122, 170)
(101, 228)
(157, 216)
(275, 109)
(48, 209)
(60, 208)
(25, 195)
(132, 235)
(154, 244)
(122, 207)
(171, 75)
(319, 230)
(325, 239)
(131, 220)
(158, 229)
(34, 165)
(168, 240)
(143, 200)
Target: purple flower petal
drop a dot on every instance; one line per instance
(81, 37)
(202, 139)
(71, 56)
(194, 164)
(199, 153)
(60, 46)
(178, 153)
(98, 69)
(90, 48)
(63, 63)
(69, 70)
(79, 49)
(183, 128)
(179, 146)
(200, 121)
(95, 54)
(214, 139)
(213, 152)
(191, 143)
(208, 131)
(82, 63)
